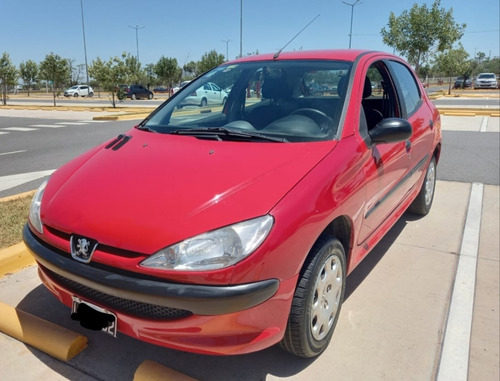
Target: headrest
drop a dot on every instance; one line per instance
(342, 86)
(275, 88)
(367, 90)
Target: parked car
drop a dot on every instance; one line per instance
(177, 88)
(486, 81)
(208, 94)
(136, 92)
(79, 91)
(460, 82)
(232, 229)
(161, 89)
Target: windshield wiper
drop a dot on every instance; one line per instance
(221, 133)
(146, 128)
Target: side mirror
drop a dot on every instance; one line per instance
(390, 130)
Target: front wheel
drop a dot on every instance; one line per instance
(133, 97)
(317, 300)
(422, 204)
(150, 96)
(75, 95)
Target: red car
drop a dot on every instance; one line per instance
(227, 229)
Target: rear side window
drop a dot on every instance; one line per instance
(407, 87)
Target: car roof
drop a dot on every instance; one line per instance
(334, 54)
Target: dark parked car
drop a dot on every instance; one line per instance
(460, 82)
(136, 92)
(229, 229)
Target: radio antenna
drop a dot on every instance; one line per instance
(294, 37)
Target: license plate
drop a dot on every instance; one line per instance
(94, 317)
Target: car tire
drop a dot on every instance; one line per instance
(203, 102)
(133, 97)
(423, 203)
(150, 96)
(317, 300)
(75, 95)
(91, 95)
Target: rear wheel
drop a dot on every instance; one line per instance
(150, 96)
(422, 204)
(317, 300)
(203, 102)
(133, 97)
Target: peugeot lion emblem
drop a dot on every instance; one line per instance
(82, 248)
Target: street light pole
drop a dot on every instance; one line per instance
(137, 27)
(241, 28)
(352, 12)
(84, 45)
(227, 48)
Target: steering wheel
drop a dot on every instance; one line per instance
(324, 121)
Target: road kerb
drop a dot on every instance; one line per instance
(15, 258)
(44, 335)
(152, 371)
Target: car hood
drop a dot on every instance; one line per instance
(149, 190)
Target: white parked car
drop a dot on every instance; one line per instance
(79, 91)
(208, 94)
(486, 81)
(177, 88)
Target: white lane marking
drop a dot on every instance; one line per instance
(11, 181)
(47, 125)
(23, 129)
(12, 152)
(454, 363)
(484, 124)
(4, 132)
(72, 123)
(94, 121)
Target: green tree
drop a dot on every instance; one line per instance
(209, 61)
(454, 62)
(109, 75)
(55, 69)
(167, 70)
(8, 75)
(191, 68)
(29, 73)
(420, 32)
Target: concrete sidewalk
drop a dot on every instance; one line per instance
(392, 324)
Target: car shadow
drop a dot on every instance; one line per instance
(108, 358)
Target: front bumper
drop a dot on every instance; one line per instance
(198, 299)
(220, 320)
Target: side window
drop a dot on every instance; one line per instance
(206, 86)
(408, 87)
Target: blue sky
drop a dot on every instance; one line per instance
(185, 30)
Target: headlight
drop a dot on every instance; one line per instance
(213, 250)
(36, 204)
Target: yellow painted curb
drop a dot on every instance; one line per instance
(46, 336)
(15, 258)
(152, 371)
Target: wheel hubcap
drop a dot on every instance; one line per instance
(327, 293)
(429, 183)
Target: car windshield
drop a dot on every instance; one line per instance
(486, 76)
(286, 101)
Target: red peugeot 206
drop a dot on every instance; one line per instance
(225, 229)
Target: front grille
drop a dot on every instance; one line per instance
(113, 303)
